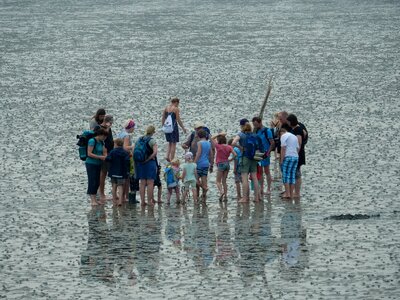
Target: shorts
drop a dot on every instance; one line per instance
(289, 167)
(118, 181)
(265, 162)
(248, 165)
(238, 177)
(223, 166)
(104, 166)
(201, 172)
(190, 184)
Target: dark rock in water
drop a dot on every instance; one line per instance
(352, 217)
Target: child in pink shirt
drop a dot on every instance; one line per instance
(222, 160)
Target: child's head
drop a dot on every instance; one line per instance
(118, 142)
(175, 162)
(202, 134)
(188, 156)
(221, 139)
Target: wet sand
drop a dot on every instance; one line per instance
(335, 64)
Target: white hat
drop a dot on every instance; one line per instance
(198, 124)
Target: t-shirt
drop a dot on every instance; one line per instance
(189, 171)
(92, 124)
(223, 152)
(302, 155)
(97, 150)
(291, 143)
(265, 134)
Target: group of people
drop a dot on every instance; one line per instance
(134, 166)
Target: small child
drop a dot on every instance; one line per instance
(189, 176)
(118, 170)
(172, 175)
(236, 170)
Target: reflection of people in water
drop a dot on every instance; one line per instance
(147, 256)
(123, 242)
(224, 248)
(96, 262)
(199, 240)
(247, 235)
(294, 249)
(173, 226)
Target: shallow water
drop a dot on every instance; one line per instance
(335, 64)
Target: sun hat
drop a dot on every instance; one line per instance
(223, 133)
(198, 124)
(188, 155)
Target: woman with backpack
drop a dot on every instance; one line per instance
(96, 154)
(144, 154)
(169, 121)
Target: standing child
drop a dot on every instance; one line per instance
(172, 175)
(118, 170)
(236, 170)
(204, 160)
(189, 176)
(222, 160)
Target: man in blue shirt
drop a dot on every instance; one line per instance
(267, 138)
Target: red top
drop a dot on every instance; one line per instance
(223, 152)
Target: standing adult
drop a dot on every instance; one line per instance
(248, 163)
(126, 135)
(300, 132)
(146, 171)
(266, 136)
(97, 119)
(172, 138)
(96, 154)
(192, 140)
(289, 159)
(109, 145)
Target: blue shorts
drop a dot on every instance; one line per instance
(265, 162)
(223, 166)
(289, 167)
(201, 172)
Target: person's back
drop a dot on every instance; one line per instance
(204, 161)
(290, 142)
(119, 163)
(189, 168)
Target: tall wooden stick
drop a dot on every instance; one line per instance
(264, 104)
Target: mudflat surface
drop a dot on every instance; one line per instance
(335, 64)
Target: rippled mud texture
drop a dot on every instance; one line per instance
(335, 64)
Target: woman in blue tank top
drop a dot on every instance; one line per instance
(203, 160)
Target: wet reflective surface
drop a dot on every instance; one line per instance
(335, 64)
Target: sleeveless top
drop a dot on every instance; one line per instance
(204, 161)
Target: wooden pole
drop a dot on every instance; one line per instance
(264, 104)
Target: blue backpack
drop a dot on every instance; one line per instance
(170, 178)
(251, 145)
(142, 149)
(83, 141)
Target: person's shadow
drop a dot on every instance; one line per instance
(294, 251)
(225, 253)
(97, 261)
